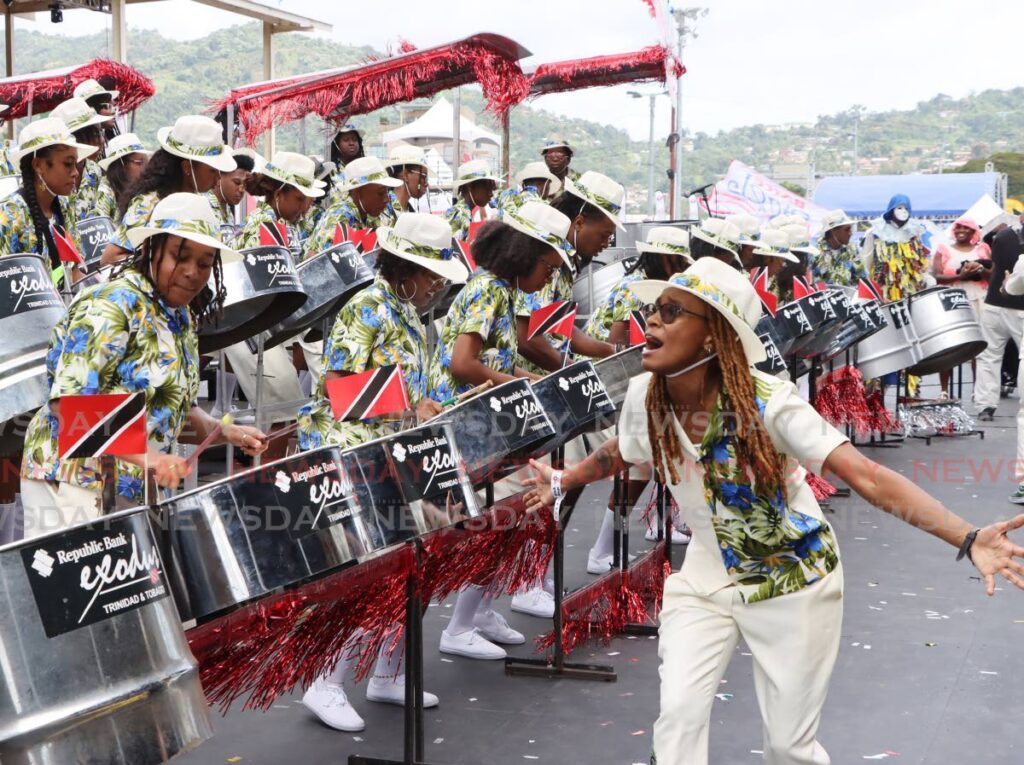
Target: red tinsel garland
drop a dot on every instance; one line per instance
(599, 611)
(842, 400)
(882, 420)
(385, 82)
(647, 64)
(822, 489)
(49, 90)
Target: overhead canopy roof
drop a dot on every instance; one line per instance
(42, 91)
(437, 123)
(491, 60)
(648, 64)
(932, 196)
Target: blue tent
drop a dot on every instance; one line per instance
(932, 196)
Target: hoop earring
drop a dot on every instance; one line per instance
(406, 298)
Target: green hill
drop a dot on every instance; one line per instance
(942, 133)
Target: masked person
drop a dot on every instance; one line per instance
(191, 157)
(730, 443)
(894, 255)
(474, 187)
(84, 123)
(839, 262)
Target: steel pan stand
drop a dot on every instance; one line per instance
(413, 746)
(557, 666)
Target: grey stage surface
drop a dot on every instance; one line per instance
(928, 673)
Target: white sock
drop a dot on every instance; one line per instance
(346, 662)
(604, 545)
(465, 609)
(389, 667)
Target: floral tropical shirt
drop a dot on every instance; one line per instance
(374, 329)
(485, 307)
(559, 288)
(346, 213)
(459, 216)
(105, 203)
(620, 303)
(18, 232)
(250, 234)
(7, 166)
(117, 337)
(762, 540)
(843, 266)
(516, 197)
(84, 198)
(137, 214)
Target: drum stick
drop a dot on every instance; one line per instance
(212, 436)
(469, 393)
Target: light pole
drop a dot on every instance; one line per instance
(650, 150)
(682, 16)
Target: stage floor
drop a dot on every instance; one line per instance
(926, 673)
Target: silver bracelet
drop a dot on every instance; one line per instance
(556, 492)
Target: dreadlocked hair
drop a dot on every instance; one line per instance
(755, 453)
(28, 181)
(163, 174)
(206, 306)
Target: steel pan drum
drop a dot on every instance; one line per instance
(778, 330)
(605, 279)
(499, 430)
(30, 307)
(793, 323)
(947, 330)
(826, 310)
(892, 348)
(95, 234)
(96, 668)
(329, 279)
(617, 370)
(575, 400)
(96, 275)
(262, 289)
(773, 364)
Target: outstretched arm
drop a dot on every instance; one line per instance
(992, 553)
(605, 462)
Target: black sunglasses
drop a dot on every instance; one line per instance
(669, 312)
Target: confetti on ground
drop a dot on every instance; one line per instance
(613, 653)
(746, 653)
(638, 733)
(438, 740)
(629, 693)
(357, 738)
(234, 759)
(882, 756)
(909, 594)
(854, 645)
(606, 723)
(876, 608)
(448, 661)
(724, 696)
(988, 672)
(472, 698)
(858, 539)
(872, 584)
(931, 645)
(757, 751)
(530, 757)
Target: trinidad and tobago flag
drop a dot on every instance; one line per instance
(340, 234)
(273, 234)
(557, 318)
(106, 423)
(465, 250)
(66, 249)
(374, 393)
(869, 289)
(768, 300)
(637, 328)
(801, 288)
(363, 238)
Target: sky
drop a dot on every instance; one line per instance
(753, 61)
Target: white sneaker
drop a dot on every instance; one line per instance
(329, 702)
(601, 564)
(392, 691)
(536, 602)
(472, 645)
(493, 626)
(679, 536)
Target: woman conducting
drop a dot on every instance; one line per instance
(380, 326)
(763, 565)
(135, 333)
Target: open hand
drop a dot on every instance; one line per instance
(541, 496)
(993, 553)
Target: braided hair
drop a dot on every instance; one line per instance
(755, 453)
(163, 174)
(44, 239)
(206, 306)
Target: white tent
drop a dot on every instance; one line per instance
(436, 125)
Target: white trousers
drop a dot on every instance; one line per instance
(280, 378)
(998, 325)
(794, 640)
(52, 505)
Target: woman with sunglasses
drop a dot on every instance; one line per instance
(731, 444)
(407, 164)
(478, 343)
(378, 327)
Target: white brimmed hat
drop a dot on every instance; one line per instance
(349, 127)
(723, 288)
(401, 156)
(296, 170)
(543, 222)
(538, 170)
(749, 227)
(122, 145)
(425, 240)
(667, 240)
(364, 171)
(555, 143)
(49, 131)
(774, 243)
(835, 219)
(719, 232)
(600, 191)
(799, 233)
(474, 170)
(88, 88)
(199, 139)
(189, 216)
(77, 114)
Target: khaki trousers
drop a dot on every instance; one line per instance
(52, 505)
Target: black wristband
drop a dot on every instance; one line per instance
(965, 548)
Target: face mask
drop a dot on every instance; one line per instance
(901, 213)
(684, 370)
